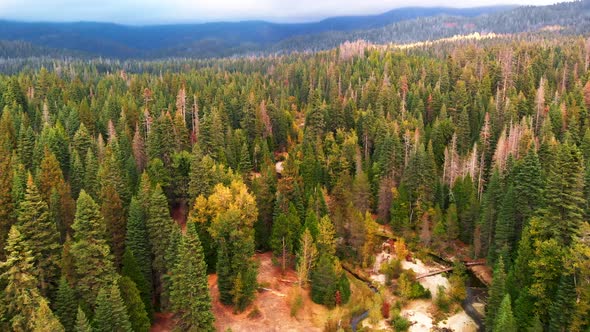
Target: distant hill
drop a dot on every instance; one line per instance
(222, 39)
(568, 18)
(201, 40)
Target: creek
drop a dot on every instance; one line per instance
(476, 293)
(355, 320)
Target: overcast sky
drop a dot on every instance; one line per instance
(172, 11)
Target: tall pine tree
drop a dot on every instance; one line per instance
(90, 251)
(190, 292)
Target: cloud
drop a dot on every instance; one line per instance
(165, 11)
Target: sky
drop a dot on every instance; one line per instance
(140, 12)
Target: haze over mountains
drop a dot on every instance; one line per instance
(20, 39)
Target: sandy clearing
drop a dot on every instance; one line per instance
(459, 322)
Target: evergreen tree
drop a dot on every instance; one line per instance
(563, 214)
(77, 176)
(132, 271)
(452, 222)
(137, 242)
(114, 216)
(90, 251)
(326, 241)
(82, 323)
(245, 165)
(190, 292)
(170, 259)
(326, 281)
(504, 321)
(562, 307)
(20, 295)
(111, 314)
(528, 187)
(201, 174)
(7, 202)
(91, 183)
(43, 319)
(41, 234)
(66, 305)
(55, 191)
(492, 202)
(400, 207)
(505, 227)
(496, 295)
(285, 234)
(224, 276)
(138, 316)
(160, 227)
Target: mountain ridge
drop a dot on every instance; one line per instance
(212, 38)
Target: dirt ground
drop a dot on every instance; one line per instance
(273, 304)
(163, 322)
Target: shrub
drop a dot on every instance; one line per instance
(442, 300)
(255, 313)
(392, 269)
(296, 304)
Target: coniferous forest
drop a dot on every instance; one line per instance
(133, 190)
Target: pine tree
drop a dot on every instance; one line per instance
(326, 240)
(496, 294)
(26, 146)
(114, 216)
(504, 321)
(50, 179)
(505, 227)
(452, 222)
(224, 275)
(77, 176)
(66, 305)
(562, 307)
(491, 204)
(7, 203)
(82, 140)
(324, 281)
(91, 183)
(170, 259)
(20, 294)
(82, 323)
(132, 271)
(90, 250)
(245, 165)
(564, 213)
(111, 314)
(138, 316)
(399, 211)
(201, 174)
(41, 234)
(528, 187)
(43, 319)
(137, 240)
(463, 132)
(285, 234)
(190, 292)
(159, 225)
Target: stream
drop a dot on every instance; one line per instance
(476, 293)
(355, 320)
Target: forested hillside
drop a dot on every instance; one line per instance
(129, 193)
(205, 40)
